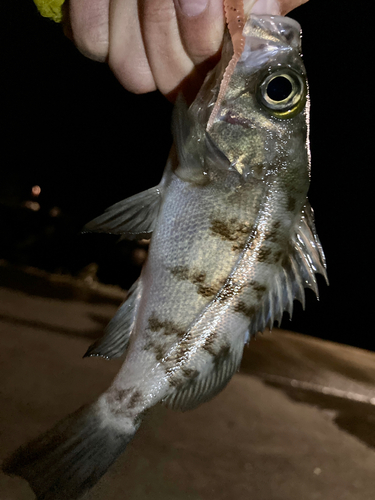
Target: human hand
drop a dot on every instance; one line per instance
(167, 45)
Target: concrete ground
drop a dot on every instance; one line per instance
(296, 423)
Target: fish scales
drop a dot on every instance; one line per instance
(233, 244)
(182, 275)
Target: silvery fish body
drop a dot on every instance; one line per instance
(233, 244)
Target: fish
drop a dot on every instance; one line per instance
(233, 244)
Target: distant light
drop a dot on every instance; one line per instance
(139, 256)
(55, 212)
(32, 205)
(35, 191)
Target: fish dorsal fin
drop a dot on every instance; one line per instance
(134, 217)
(306, 259)
(189, 142)
(117, 333)
(205, 386)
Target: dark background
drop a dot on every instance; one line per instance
(69, 127)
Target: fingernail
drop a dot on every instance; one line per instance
(269, 7)
(192, 8)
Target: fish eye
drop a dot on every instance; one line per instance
(279, 88)
(283, 93)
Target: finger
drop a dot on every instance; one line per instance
(127, 56)
(89, 27)
(272, 7)
(269, 7)
(169, 62)
(288, 5)
(201, 25)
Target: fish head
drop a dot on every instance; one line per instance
(262, 124)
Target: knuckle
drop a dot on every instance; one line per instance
(90, 30)
(132, 75)
(202, 52)
(97, 51)
(160, 12)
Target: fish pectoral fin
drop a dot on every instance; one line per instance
(134, 217)
(204, 387)
(215, 158)
(305, 260)
(196, 151)
(117, 333)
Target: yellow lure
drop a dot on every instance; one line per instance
(50, 8)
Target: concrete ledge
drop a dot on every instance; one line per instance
(272, 434)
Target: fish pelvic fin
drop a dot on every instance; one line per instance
(133, 218)
(117, 333)
(199, 389)
(305, 260)
(70, 458)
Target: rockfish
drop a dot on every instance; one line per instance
(233, 244)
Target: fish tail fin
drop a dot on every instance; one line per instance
(70, 458)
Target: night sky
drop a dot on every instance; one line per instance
(69, 127)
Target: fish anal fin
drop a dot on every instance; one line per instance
(204, 387)
(117, 333)
(134, 217)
